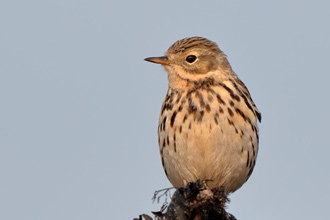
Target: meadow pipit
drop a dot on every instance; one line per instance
(208, 122)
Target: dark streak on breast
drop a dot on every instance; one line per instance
(173, 118)
(174, 141)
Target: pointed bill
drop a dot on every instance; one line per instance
(160, 60)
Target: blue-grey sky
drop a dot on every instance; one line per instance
(79, 106)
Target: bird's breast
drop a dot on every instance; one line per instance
(201, 133)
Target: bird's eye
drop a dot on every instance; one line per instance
(191, 58)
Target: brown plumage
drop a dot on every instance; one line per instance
(208, 123)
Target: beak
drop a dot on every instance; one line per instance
(160, 60)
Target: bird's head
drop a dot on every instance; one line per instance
(193, 60)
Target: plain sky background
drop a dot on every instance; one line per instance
(79, 106)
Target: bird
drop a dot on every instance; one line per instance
(208, 124)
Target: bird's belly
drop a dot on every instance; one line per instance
(216, 152)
